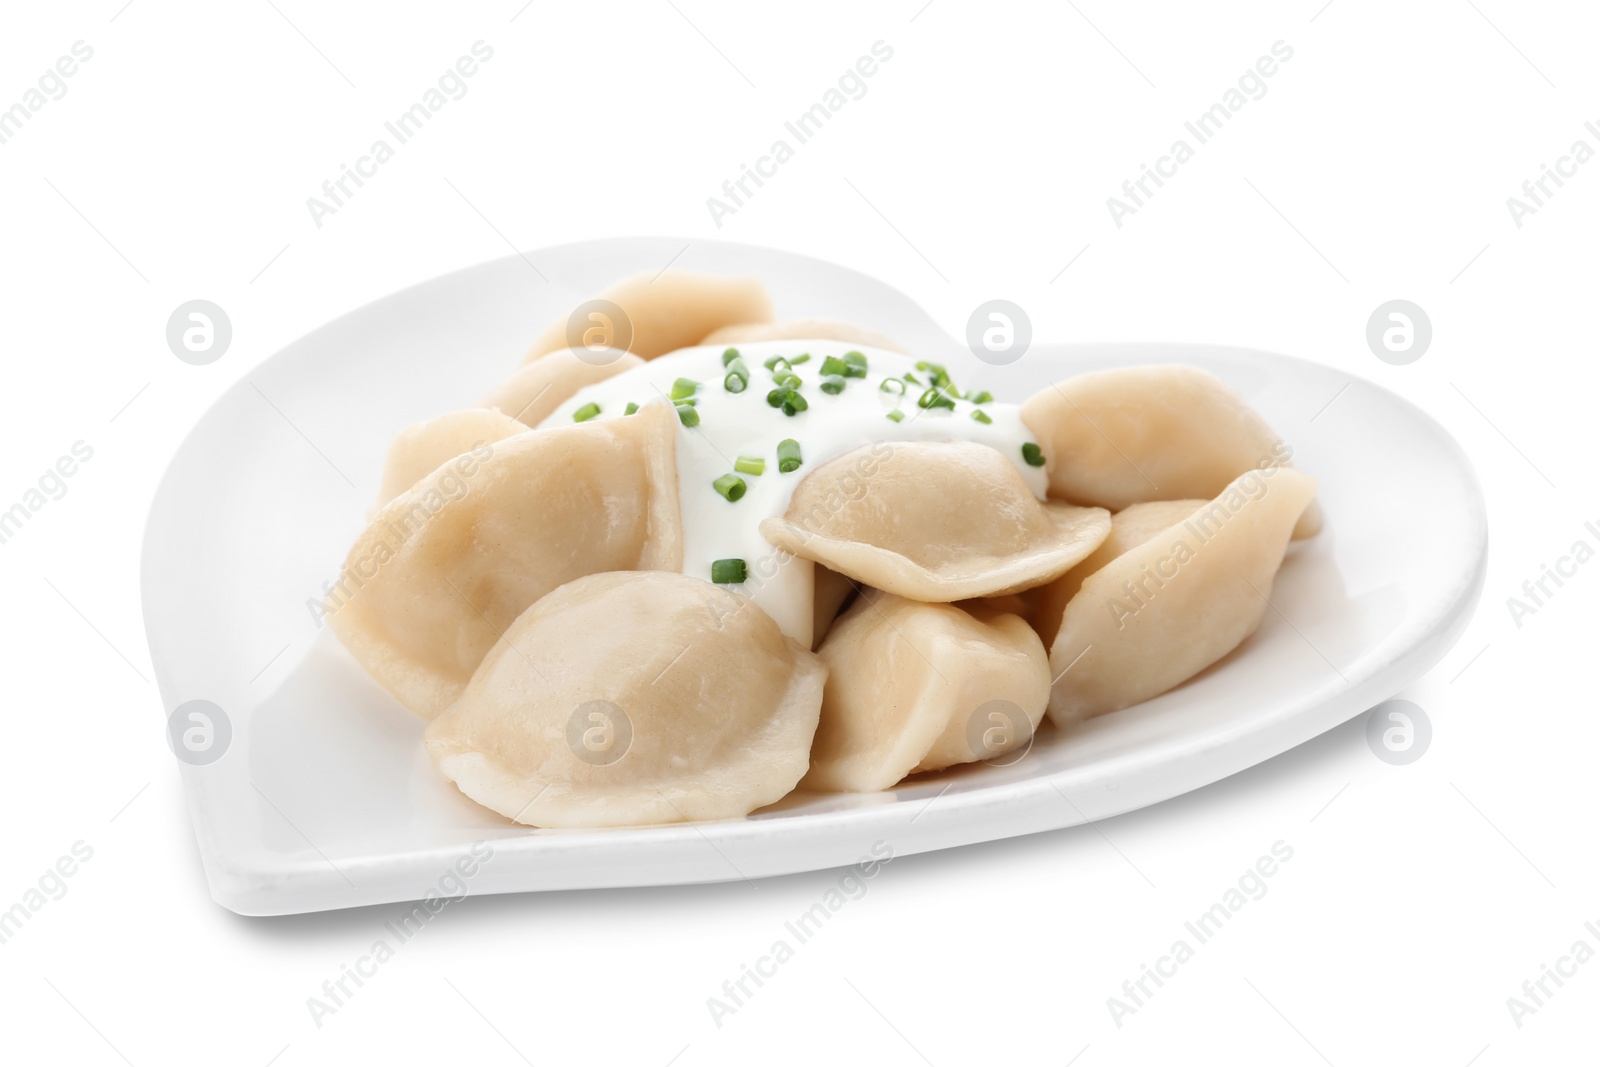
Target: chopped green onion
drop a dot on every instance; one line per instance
(793, 403)
(771, 363)
(738, 377)
(684, 388)
(935, 398)
(912, 378)
(585, 413)
(788, 455)
(833, 384)
(750, 465)
(787, 378)
(896, 416)
(857, 363)
(729, 356)
(731, 486)
(631, 408)
(980, 416)
(775, 398)
(687, 414)
(1031, 453)
(728, 571)
(983, 397)
(892, 385)
(692, 401)
(835, 365)
(804, 357)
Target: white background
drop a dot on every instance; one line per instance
(977, 165)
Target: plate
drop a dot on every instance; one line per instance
(308, 786)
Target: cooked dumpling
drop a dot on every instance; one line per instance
(1170, 607)
(421, 449)
(1135, 434)
(665, 312)
(540, 387)
(937, 521)
(800, 330)
(633, 698)
(443, 570)
(920, 687)
(1130, 527)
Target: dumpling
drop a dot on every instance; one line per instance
(1165, 432)
(664, 312)
(920, 687)
(421, 449)
(531, 394)
(1168, 608)
(632, 698)
(443, 569)
(933, 520)
(1130, 527)
(800, 330)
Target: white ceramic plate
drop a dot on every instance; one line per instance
(324, 798)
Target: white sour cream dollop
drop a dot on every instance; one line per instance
(732, 425)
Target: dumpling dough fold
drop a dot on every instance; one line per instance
(921, 687)
(937, 521)
(633, 698)
(1166, 609)
(1164, 432)
(420, 449)
(666, 311)
(531, 394)
(443, 569)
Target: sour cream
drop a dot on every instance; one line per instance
(734, 425)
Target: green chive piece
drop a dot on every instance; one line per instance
(896, 416)
(631, 408)
(750, 465)
(793, 403)
(585, 413)
(857, 364)
(731, 486)
(728, 571)
(788, 379)
(804, 357)
(683, 388)
(775, 398)
(835, 365)
(788, 455)
(912, 378)
(984, 397)
(729, 356)
(892, 385)
(688, 415)
(833, 384)
(772, 362)
(1031, 453)
(935, 398)
(738, 377)
(980, 416)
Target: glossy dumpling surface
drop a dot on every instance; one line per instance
(800, 330)
(917, 687)
(443, 569)
(937, 521)
(633, 698)
(1170, 607)
(540, 387)
(662, 313)
(1165, 432)
(419, 450)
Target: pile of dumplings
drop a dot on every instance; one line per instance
(520, 588)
